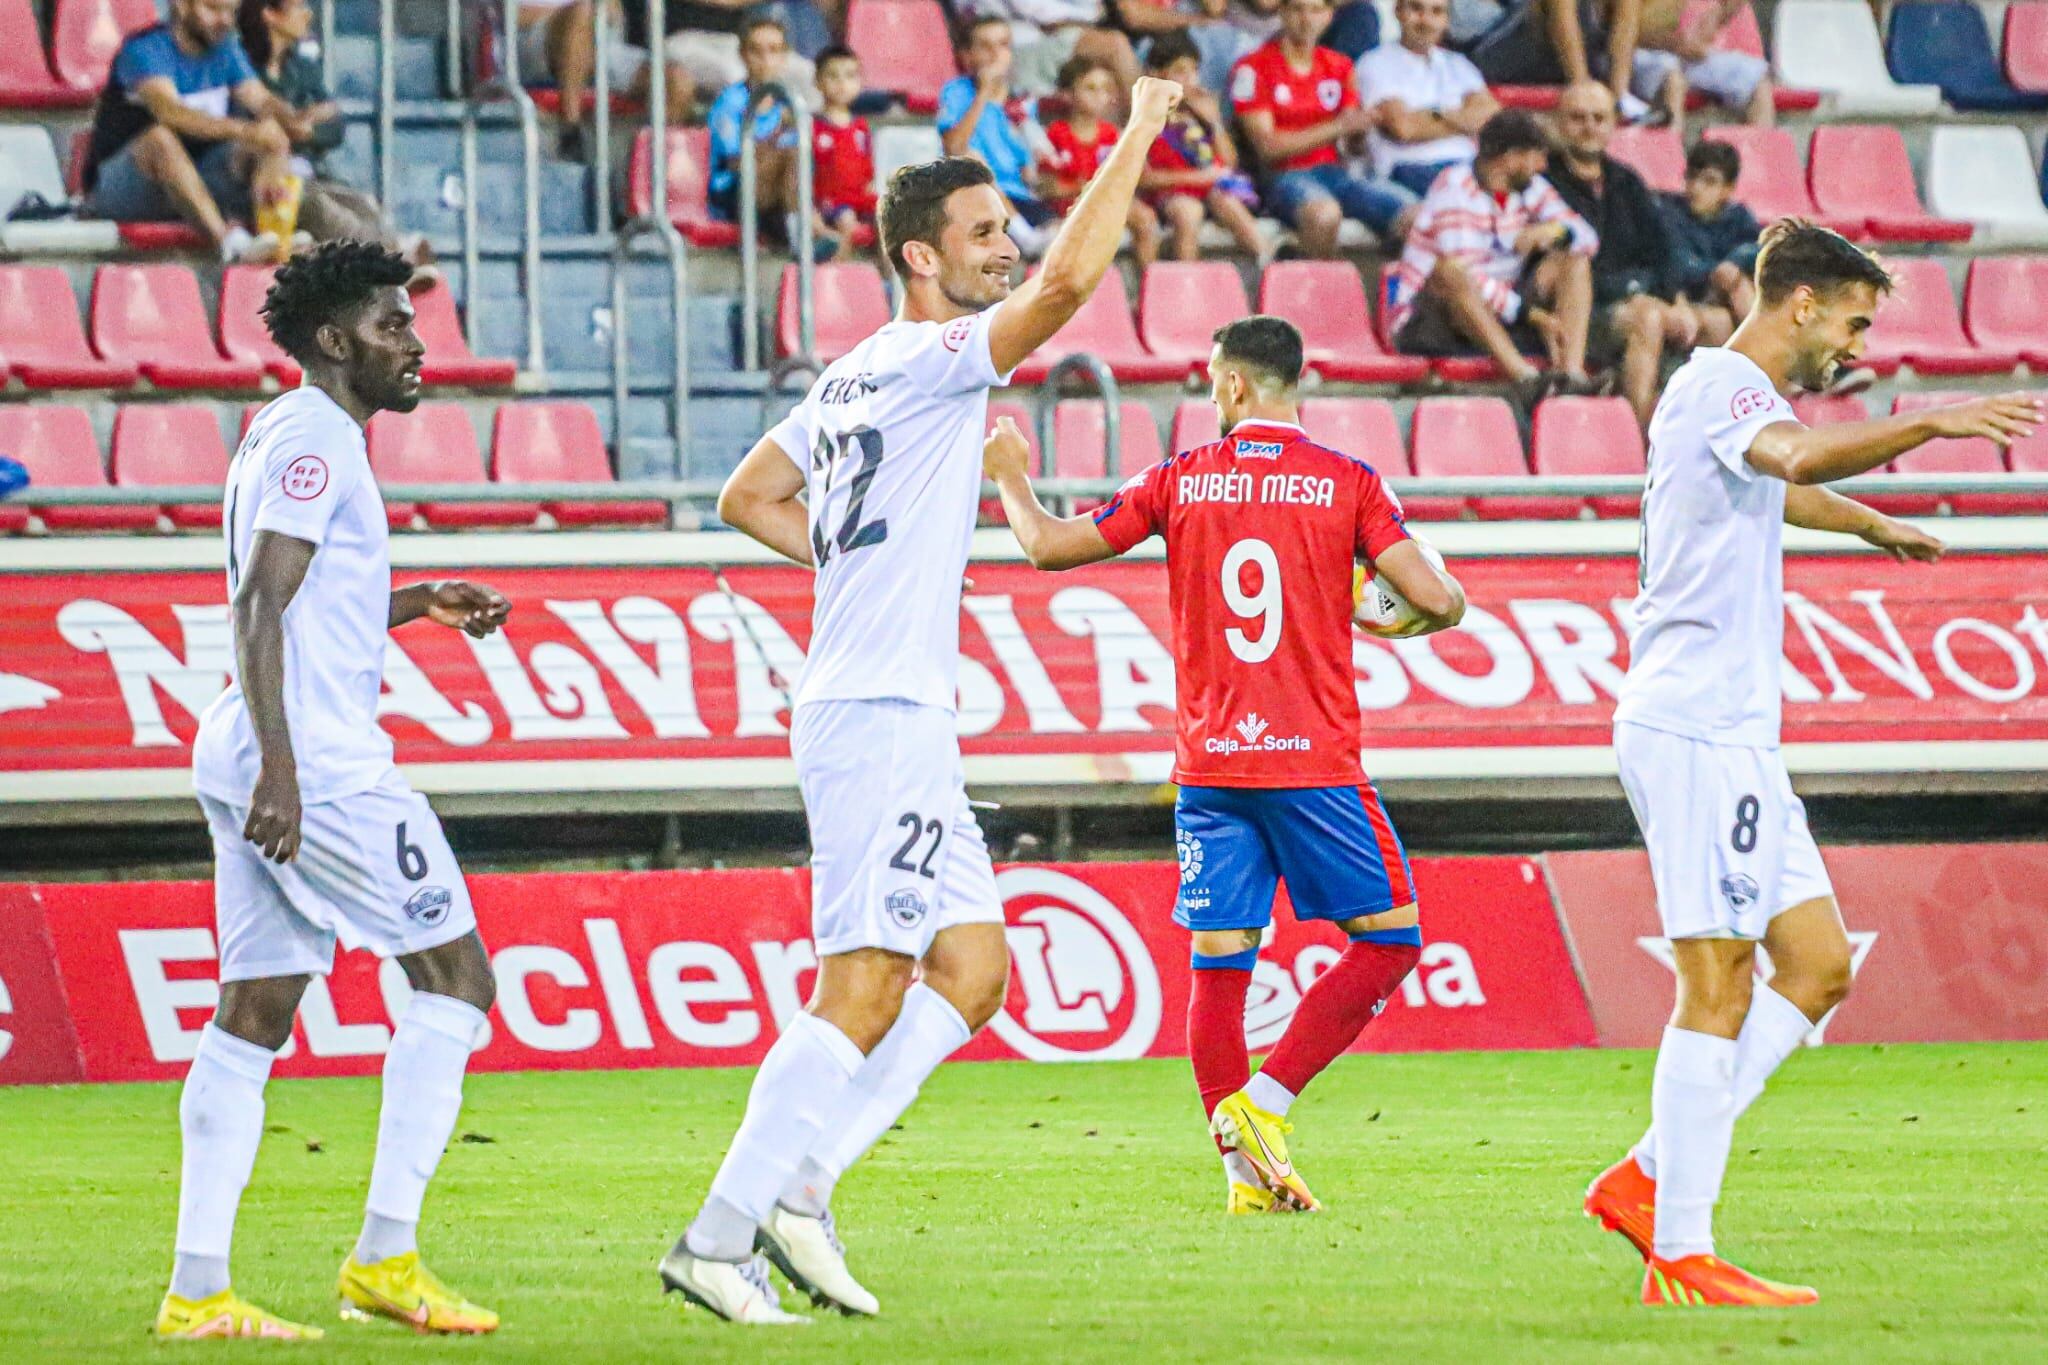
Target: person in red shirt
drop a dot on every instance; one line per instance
(842, 150)
(1296, 102)
(1076, 144)
(1262, 531)
(1192, 174)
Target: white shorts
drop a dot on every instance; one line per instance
(623, 61)
(1728, 78)
(373, 870)
(1729, 847)
(896, 853)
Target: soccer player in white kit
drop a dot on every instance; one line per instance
(316, 836)
(1696, 728)
(875, 479)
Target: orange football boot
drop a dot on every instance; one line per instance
(1624, 1199)
(1710, 1282)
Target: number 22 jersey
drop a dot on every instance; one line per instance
(1262, 529)
(889, 439)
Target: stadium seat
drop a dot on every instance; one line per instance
(1182, 303)
(449, 359)
(1078, 440)
(1194, 424)
(1590, 436)
(85, 35)
(689, 179)
(41, 342)
(60, 451)
(1741, 34)
(2005, 306)
(849, 301)
(1987, 175)
(151, 315)
(1457, 437)
(1656, 154)
(1104, 329)
(2026, 46)
(2029, 455)
(1461, 369)
(1863, 172)
(904, 47)
(1326, 300)
(1950, 456)
(1364, 428)
(28, 165)
(171, 443)
(904, 144)
(1946, 43)
(1919, 324)
(435, 443)
(1822, 410)
(1832, 46)
(25, 78)
(560, 442)
(242, 333)
(1773, 181)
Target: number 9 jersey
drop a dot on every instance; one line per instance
(1262, 529)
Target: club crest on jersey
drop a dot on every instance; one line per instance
(956, 333)
(906, 907)
(1741, 890)
(1329, 92)
(305, 478)
(428, 905)
(1749, 402)
(1259, 450)
(1188, 848)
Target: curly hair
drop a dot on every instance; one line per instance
(320, 286)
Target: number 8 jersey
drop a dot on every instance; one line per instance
(889, 439)
(1262, 529)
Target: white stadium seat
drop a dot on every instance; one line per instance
(898, 144)
(1986, 174)
(1832, 46)
(28, 165)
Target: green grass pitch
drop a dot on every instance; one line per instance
(1074, 1213)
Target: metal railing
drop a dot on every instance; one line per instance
(1079, 363)
(601, 109)
(327, 43)
(653, 223)
(387, 97)
(750, 240)
(505, 84)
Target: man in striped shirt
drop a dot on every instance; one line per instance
(1497, 264)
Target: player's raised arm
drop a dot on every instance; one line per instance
(1087, 241)
(1821, 509)
(1049, 542)
(277, 566)
(1813, 455)
(761, 499)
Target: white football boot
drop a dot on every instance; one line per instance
(808, 1251)
(738, 1291)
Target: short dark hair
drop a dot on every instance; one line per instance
(765, 17)
(913, 207)
(1713, 156)
(838, 52)
(1074, 70)
(325, 285)
(976, 24)
(1797, 252)
(1171, 47)
(1265, 343)
(1511, 130)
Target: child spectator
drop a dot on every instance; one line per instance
(1076, 142)
(1713, 240)
(981, 115)
(1192, 172)
(842, 150)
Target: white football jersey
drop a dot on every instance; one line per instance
(889, 440)
(304, 471)
(1709, 635)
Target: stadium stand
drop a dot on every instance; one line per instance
(1182, 303)
(1194, 424)
(1773, 182)
(1363, 427)
(1862, 172)
(26, 81)
(1451, 437)
(1973, 456)
(1078, 439)
(435, 443)
(2025, 46)
(1655, 153)
(1946, 43)
(1820, 409)
(850, 302)
(1919, 325)
(1589, 436)
(151, 317)
(552, 442)
(2005, 306)
(905, 50)
(898, 144)
(1987, 176)
(41, 341)
(449, 359)
(1832, 46)
(689, 180)
(1326, 300)
(1104, 329)
(57, 445)
(85, 35)
(171, 444)
(242, 333)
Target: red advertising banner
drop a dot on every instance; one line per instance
(603, 668)
(36, 1039)
(677, 969)
(1949, 942)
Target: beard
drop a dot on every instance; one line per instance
(975, 290)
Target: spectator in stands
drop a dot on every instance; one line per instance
(842, 149)
(980, 115)
(1675, 51)
(1210, 25)
(704, 39)
(166, 142)
(1713, 240)
(1295, 102)
(1192, 172)
(764, 49)
(1637, 307)
(1552, 42)
(1047, 34)
(558, 42)
(1076, 142)
(1498, 264)
(1425, 101)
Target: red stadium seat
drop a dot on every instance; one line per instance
(41, 342)
(1027, 424)
(1182, 303)
(171, 443)
(2005, 305)
(1820, 410)
(151, 315)
(1741, 34)
(1773, 182)
(904, 47)
(85, 35)
(1655, 153)
(2026, 46)
(1194, 424)
(1077, 439)
(689, 183)
(1538, 97)
(1103, 328)
(1863, 172)
(2029, 455)
(60, 451)
(561, 443)
(1364, 428)
(1326, 300)
(242, 333)
(449, 359)
(1590, 436)
(1919, 325)
(850, 304)
(435, 443)
(1454, 437)
(1949, 456)
(25, 78)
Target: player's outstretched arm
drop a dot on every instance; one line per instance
(277, 566)
(1823, 509)
(1438, 598)
(1087, 241)
(471, 608)
(761, 499)
(1811, 455)
(1049, 542)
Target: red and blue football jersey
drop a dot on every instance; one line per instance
(1262, 529)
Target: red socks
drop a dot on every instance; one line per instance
(1216, 1032)
(1333, 1012)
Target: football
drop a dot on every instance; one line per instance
(1380, 605)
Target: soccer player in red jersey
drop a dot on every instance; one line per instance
(1262, 530)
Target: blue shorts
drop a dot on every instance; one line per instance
(1334, 846)
(1375, 203)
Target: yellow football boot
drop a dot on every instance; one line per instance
(1262, 1136)
(1248, 1198)
(225, 1314)
(400, 1288)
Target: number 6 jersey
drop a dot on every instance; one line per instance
(1261, 528)
(889, 439)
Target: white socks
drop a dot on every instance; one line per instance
(220, 1115)
(800, 1085)
(928, 1031)
(422, 1097)
(1771, 1031)
(1692, 1109)
(1269, 1094)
